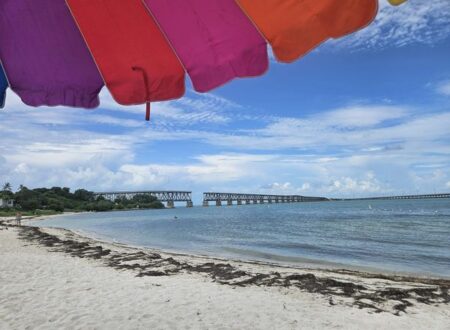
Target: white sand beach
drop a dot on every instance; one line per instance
(47, 285)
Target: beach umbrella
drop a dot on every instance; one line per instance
(3, 86)
(44, 55)
(58, 52)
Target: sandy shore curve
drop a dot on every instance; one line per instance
(53, 279)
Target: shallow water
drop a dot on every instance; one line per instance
(400, 235)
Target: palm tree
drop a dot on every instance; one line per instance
(6, 192)
(7, 186)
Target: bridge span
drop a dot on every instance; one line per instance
(240, 199)
(169, 197)
(426, 196)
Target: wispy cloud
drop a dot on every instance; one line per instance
(416, 21)
(194, 108)
(368, 128)
(444, 88)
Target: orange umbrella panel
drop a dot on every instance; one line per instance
(295, 27)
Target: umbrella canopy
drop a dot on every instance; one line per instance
(214, 40)
(3, 86)
(60, 52)
(44, 55)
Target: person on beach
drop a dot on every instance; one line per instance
(18, 218)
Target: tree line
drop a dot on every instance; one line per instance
(60, 199)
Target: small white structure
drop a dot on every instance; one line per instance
(6, 203)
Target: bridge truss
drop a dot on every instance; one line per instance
(170, 197)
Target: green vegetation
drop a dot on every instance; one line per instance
(44, 201)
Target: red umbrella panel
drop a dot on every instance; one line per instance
(137, 63)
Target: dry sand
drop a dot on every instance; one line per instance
(54, 279)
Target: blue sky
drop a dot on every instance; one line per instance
(366, 115)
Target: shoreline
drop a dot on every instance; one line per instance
(343, 269)
(311, 265)
(307, 264)
(304, 264)
(10, 220)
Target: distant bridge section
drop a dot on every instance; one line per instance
(240, 199)
(170, 197)
(429, 196)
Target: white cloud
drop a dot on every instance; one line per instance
(348, 185)
(444, 88)
(305, 187)
(204, 169)
(277, 186)
(362, 116)
(51, 154)
(286, 188)
(381, 130)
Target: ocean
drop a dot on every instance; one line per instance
(406, 236)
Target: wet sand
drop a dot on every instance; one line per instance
(54, 278)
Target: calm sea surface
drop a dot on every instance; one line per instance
(407, 235)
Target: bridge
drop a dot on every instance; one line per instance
(427, 196)
(240, 199)
(170, 197)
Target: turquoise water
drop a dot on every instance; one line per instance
(405, 236)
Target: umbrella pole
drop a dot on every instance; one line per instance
(147, 93)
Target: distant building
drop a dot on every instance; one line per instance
(6, 203)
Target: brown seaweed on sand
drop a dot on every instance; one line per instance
(395, 300)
